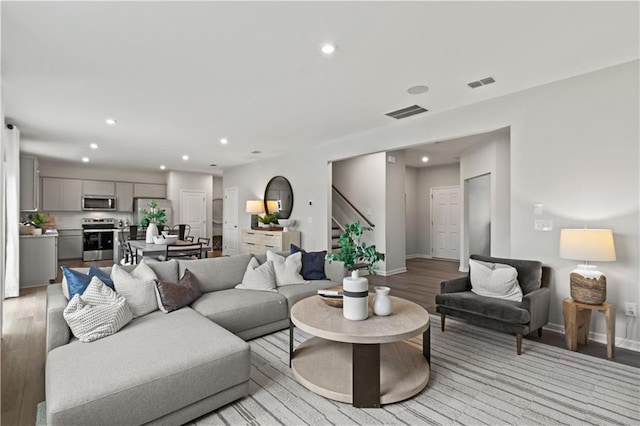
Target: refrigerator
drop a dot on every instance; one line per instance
(143, 203)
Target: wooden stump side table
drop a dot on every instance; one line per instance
(577, 320)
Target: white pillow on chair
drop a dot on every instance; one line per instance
(494, 280)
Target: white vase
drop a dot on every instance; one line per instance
(355, 299)
(152, 231)
(382, 302)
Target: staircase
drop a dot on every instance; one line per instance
(343, 211)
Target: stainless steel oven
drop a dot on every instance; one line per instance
(97, 239)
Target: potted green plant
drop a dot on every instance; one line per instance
(152, 218)
(39, 220)
(267, 220)
(354, 254)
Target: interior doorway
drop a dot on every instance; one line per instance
(193, 212)
(445, 222)
(230, 214)
(479, 207)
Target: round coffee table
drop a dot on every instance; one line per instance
(366, 363)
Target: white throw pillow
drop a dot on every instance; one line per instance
(495, 280)
(99, 312)
(287, 269)
(138, 287)
(259, 277)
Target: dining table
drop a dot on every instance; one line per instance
(143, 248)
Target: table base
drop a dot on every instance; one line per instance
(326, 368)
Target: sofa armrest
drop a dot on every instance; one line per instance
(335, 271)
(58, 332)
(537, 303)
(456, 285)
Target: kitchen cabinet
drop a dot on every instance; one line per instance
(259, 242)
(149, 190)
(29, 184)
(124, 196)
(69, 244)
(38, 259)
(98, 187)
(61, 194)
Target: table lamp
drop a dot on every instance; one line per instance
(255, 207)
(587, 284)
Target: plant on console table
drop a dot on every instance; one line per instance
(39, 220)
(268, 220)
(356, 255)
(152, 218)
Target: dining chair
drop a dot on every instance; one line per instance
(204, 240)
(183, 251)
(188, 238)
(129, 256)
(182, 230)
(133, 232)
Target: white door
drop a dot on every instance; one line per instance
(445, 222)
(230, 207)
(193, 212)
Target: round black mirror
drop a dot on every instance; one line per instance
(278, 197)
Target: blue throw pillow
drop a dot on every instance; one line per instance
(312, 263)
(77, 282)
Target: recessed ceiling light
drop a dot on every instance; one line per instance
(85, 159)
(224, 141)
(425, 159)
(162, 167)
(417, 90)
(328, 48)
(110, 121)
(94, 146)
(185, 157)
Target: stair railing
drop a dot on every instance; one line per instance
(345, 204)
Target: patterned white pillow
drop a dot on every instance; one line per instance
(99, 312)
(259, 277)
(138, 287)
(287, 269)
(494, 280)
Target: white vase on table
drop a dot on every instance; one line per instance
(355, 298)
(152, 231)
(382, 302)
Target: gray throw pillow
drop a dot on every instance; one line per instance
(138, 287)
(259, 277)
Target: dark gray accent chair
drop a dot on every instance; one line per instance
(519, 318)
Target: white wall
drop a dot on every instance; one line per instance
(431, 177)
(489, 156)
(395, 227)
(411, 211)
(177, 181)
(218, 189)
(578, 159)
(74, 170)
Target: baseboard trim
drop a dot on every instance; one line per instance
(392, 272)
(620, 342)
(418, 256)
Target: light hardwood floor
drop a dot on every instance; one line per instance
(23, 342)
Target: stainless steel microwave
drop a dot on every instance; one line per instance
(99, 203)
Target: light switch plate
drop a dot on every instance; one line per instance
(538, 208)
(543, 225)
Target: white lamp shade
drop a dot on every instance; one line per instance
(587, 245)
(255, 206)
(273, 206)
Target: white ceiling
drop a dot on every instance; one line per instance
(180, 76)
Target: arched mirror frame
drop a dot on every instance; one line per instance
(281, 185)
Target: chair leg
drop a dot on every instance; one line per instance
(519, 343)
(540, 332)
(442, 318)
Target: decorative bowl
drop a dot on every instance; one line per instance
(165, 239)
(336, 302)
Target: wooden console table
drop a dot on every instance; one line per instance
(577, 320)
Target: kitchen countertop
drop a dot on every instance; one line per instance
(46, 235)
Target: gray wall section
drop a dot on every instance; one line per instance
(479, 204)
(395, 214)
(411, 211)
(554, 131)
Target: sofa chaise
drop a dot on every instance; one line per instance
(167, 368)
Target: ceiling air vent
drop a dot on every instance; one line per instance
(481, 82)
(256, 152)
(406, 112)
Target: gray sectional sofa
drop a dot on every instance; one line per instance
(167, 368)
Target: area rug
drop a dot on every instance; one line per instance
(476, 379)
